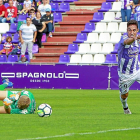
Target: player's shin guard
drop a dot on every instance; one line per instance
(124, 103)
(3, 86)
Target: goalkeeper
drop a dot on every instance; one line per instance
(16, 102)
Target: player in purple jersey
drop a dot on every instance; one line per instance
(128, 64)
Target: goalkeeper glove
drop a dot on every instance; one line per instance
(14, 97)
(7, 103)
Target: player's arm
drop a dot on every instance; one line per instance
(129, 41)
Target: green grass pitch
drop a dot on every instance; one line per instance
(77, 115)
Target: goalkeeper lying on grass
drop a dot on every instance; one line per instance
(16, 102)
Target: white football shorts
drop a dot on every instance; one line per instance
(125, 81)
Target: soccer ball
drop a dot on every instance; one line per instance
(44, 110)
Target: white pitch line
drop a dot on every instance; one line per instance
(87, 133)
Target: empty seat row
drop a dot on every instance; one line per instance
(64, 7)
(12, 58)
(93, 49)
(95, 38)
(88, 58)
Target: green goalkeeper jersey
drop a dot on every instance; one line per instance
(14, 105)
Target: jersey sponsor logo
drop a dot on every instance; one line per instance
(24, 111)
(40, 75)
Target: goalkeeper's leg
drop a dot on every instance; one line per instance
(2, 110)
(3, 86)
(3, 95)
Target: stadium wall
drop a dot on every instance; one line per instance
(61, 76)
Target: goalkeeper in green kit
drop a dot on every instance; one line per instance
(16, 102)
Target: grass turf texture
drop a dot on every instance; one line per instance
(76, 111)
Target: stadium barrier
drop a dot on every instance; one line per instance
(60, 76)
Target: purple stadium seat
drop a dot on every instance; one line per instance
(6, 35)
(1, 47)
(57, 17)
(54, 6)
(35, 48)
(89, 27)
(64, 7)
(115, 51)
(64, 58)
(27, 57)
(81, 37)
(3, 58)
(105, 7)
(13, 28)
(98, 16)
(22, 17)
(110, 0)
(111, 59)
(70, 0)
(12, 58)
(72, 48)
(57, 1)
(6, 5)
(15, 38)
(44, 38)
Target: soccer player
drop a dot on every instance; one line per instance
(128, 64)
(16, 102)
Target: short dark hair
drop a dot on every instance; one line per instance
(131, 22)
(8, 38)
(27, 18)
(32, 10)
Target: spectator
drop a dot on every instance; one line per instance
(10, 14)
(2, 10)
(15, 3)
(27, 33)
(40, 28)
(48, 19)
(26, 7)
(7, 47)
(42, 8)
(17, 48)
(125, 10)
(32, 14)
(5, 1)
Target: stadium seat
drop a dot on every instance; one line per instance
(75, 58)
(111, 59)
(122, 27)
(103, 38)
(1, 47)
(4, 27)
(110, 0)
(64, 7)
(112, 27)
(115, 51)
(54, 6)
(57, 1)
(108, 17)
(89, 27)
(16, 38)
(5, 36)
(99, 58)
(70, 0)
(64, 58)
(83, 49)
(57, 17)
(100, 27)
(81, 37)
(6, 5)
(12, 58)
(13, 28)
(3, 58)
(22, 17)
(117, 17)
(105, 7)
(107, 48)
(92, 38)
(95, 48)
(72, 48)
(87, 58)
(43, 38)
(115, 38)
(35, 48)
(27, 57)
(116, 7)
(97, 17)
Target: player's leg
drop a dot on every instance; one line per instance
(6, 83)
(3, 95)
(2, 110)
(125, 81)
